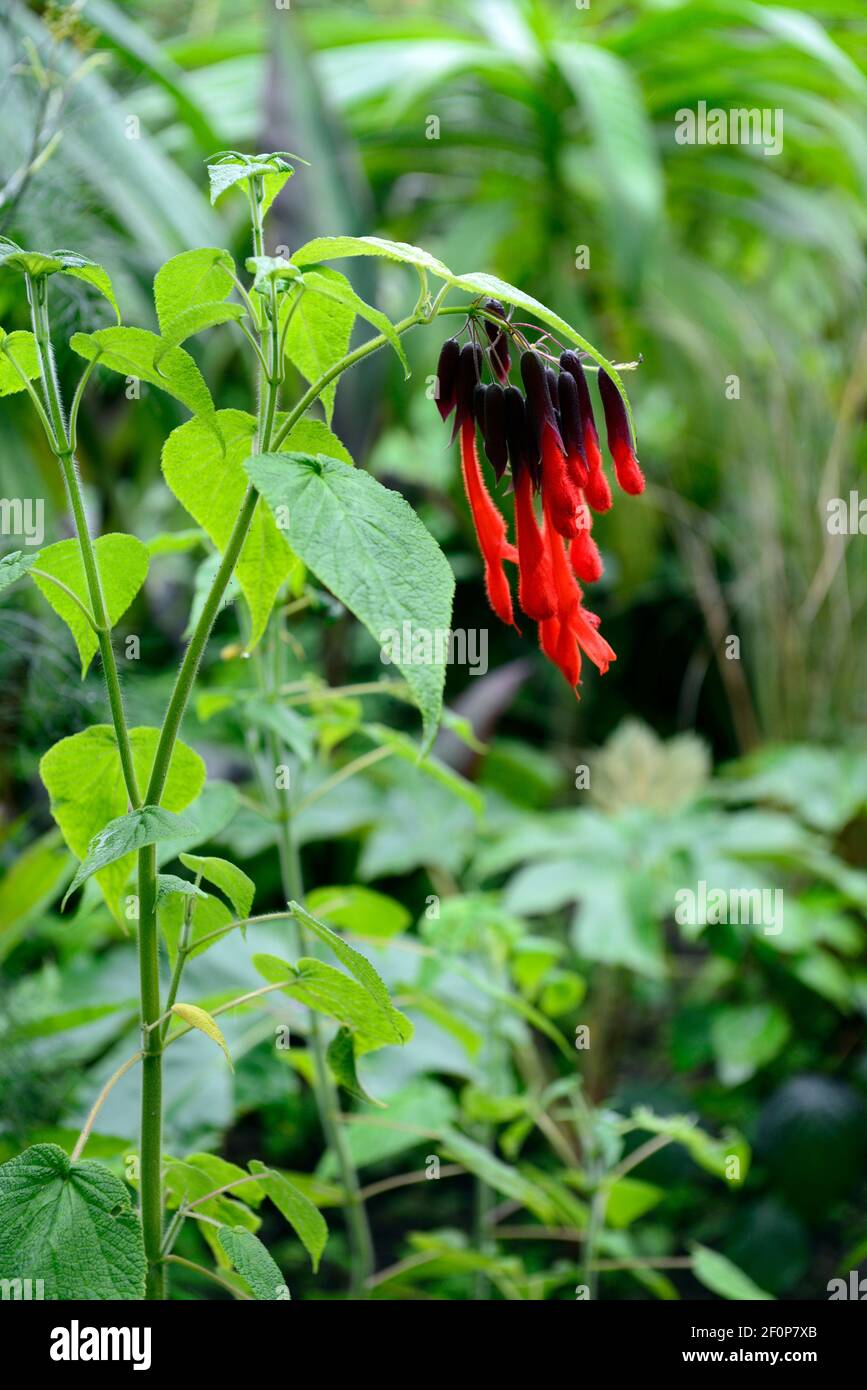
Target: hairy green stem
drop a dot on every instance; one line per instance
(327, 1100)
(151, 1114)
(63, 450)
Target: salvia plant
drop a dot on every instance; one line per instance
(278, 496)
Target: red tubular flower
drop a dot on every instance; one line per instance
(570, 362)
(548, 440)
(584, 552)
(629, 475)
(570, 429)
(597, 490)
(562, 498)
(490, 527)
(585, 557)
(591, 642)
(535, 581)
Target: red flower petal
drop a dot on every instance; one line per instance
(535, 582)
(490, 527)
(562, 498)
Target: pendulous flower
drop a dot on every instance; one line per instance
(546, 441)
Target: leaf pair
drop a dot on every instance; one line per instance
(88, 800)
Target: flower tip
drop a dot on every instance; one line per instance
(628, 472)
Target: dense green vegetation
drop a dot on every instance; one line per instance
(582, 1004)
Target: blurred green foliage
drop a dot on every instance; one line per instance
(506, 136)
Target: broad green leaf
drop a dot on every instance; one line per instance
(335, 248)
(80, 268)
(357, 964)
(202, 1020)
(341, 1060)
(222, 177)
(501, 1176)
(330, 992)
(387, 569)
(252, 1261)
(209, 914)
(123, 565)
(200, 1174)
(745, 1037)
(32, 263)
(274, 970)
(71, 1225)
(196, 320)
(176, 542)
(211, 486)
(217, 1172)
(330, 284)
(306, 1220)
(33, 880)
(187, 281)
(15, 565)
(36, 265)
(317, 335)
(83, 777)
(360, 910)
(628, 1199)
(237, 886)
(131, 352)
(724, 1278)
(146, 826)
(171, 883)
(272, 184)
(21, 348)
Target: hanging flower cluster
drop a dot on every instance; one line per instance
(546, 437)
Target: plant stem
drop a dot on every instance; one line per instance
(152, 1074)
(62, 448)
(327, 1100)
(151, 1113)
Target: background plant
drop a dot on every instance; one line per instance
(728, 263)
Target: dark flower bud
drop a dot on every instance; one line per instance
(517, 433)
(469, 374)
(494, 429)
(447, 369)
(540, 406)
(493, 306)
(629, 475)
(501, 361)
(571, 427)
(570, 362)
(551, 379)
